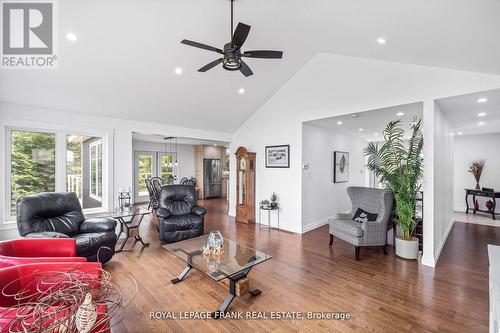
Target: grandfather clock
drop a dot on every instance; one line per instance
(245, 186)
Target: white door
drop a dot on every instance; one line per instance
(145, 166)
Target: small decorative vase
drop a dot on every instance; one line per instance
(215, 244)
(489, 205)
(274, 198)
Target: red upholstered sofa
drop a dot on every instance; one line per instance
(38, 250)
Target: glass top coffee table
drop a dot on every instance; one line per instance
(234, 264)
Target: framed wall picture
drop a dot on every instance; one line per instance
(278, 156)
(340, 167)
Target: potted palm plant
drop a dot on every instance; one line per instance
(399, 165)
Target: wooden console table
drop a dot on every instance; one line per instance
(478, 193)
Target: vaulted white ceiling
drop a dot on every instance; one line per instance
(123, 62)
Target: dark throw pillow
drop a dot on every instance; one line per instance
(364, 216)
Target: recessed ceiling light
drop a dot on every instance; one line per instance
(452, 133)
(354, 115)
(71, 37)
(339, 123)
(241, 91)
(381, 40)
(481, 114)
(460, 133)
(178, 71)
(482, 100)
(375, 134)
(361, 130)
(481, 123)
(399, 114)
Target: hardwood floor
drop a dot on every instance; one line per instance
(382, 293)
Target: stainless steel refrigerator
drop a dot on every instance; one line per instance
(212, 178)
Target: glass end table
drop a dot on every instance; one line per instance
(233, 264)
(126, 219)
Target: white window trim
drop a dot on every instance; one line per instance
(60, 167)
(98, 145)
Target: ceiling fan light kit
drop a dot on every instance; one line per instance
(231, 54)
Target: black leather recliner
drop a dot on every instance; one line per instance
(59, 215)
(179, 215)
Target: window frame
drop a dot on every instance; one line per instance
(98, 145)
(106, 137)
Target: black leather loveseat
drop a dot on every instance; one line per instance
(59, 215)
(179, 215)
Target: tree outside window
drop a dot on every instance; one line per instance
(33, 166)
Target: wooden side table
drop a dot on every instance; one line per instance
(269, 209)
(479, 193)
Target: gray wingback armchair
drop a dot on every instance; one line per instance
(369, 233)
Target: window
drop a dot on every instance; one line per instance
(167, 169)
(225, 169)
(56, 161)
(83, 172)
(145, 171)
(95, 187)
(32, 164)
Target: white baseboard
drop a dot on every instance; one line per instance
(428, 261)
(316, 224)
(443, 241)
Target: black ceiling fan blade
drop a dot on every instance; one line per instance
(240, 34)
(245, 70)
(264, 54)
(210, 65)
(201, 46)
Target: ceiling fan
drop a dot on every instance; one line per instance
(232, 54)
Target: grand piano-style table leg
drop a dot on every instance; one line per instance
(467, 202)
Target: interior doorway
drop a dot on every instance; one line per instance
(188, 160)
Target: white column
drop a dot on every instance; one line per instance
(428, 246)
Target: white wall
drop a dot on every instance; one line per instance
(185, 156)
(443, 180)
(468, 149)
(331, 85)
(321, 197)
(119, 129)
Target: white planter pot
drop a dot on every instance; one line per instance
(407, 249)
